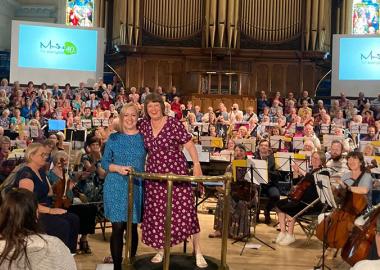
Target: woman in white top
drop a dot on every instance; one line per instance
(22, 246)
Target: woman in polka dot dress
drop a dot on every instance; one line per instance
(164, 137)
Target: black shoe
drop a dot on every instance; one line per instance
(84, 247)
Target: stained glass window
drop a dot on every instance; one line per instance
(365, 17)
(80, 12)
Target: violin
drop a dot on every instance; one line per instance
(61, 188)
(359, 243)
(299, 190)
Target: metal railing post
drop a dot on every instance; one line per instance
(129, 222)
(168, 223)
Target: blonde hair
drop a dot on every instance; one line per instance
(120, 126)
(32, 150)
(58, 156)
(34, 122)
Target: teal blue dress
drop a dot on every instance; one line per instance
(126, 150)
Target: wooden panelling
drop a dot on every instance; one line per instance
(178, 71)
(150, 73)
(292, 79)
(164, 76)
(277, 76)
(262, 71)
(188, 74)
(308, 78)
(133, 72)
(206, 101)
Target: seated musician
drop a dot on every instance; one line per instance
(239, 220)
(55, 221)
(92, 187)
(357, 180)
(304, 193)
(85, 212)
(227, 153)
(271, 189)
(337, 164)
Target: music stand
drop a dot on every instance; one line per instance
(356, 128)
(250, 144)
(256, 173)
(326, 196)
(328, 138)
(298, 143)
(100, 122)
(86, 123)
(327, 129)
(277, 142)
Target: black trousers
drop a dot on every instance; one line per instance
(65, 227)
(87, 217)
(273, 194)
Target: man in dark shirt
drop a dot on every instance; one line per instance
(271, 189)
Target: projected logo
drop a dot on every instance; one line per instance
(68, 48)
(370, 58)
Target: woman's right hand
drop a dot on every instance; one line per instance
(57, 211)
(124, 170)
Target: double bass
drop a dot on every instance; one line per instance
(359, 243)
(61, 189)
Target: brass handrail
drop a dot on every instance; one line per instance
(170, 178)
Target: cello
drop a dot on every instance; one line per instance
(359, 243)
(61, 189)
(335, 229)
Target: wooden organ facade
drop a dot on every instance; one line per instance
(222, 47)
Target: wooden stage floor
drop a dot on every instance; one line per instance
(297, 256)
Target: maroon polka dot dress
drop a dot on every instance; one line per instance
(164, 156)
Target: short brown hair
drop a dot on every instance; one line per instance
(153, 97)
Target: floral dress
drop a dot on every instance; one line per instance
(165, 156)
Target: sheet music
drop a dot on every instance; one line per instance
(298, 143)
(205, 140)
(87, 123)
(98, 121)
(275, 142)
(260, 171)
(324, 189)
(250, 144)
(283, 159)
(356, 128)
(203, 156)
(327, 129)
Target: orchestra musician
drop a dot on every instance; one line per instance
(304, 193)
(337, 163)
(55, 221)
(357, 179)
(241, 200)
(85, 212)
(271, 189)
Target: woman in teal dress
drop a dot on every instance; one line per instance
(123, 150)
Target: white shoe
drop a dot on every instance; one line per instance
(158, 258)
(280, 237)
(287, 240)
(200, 261)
